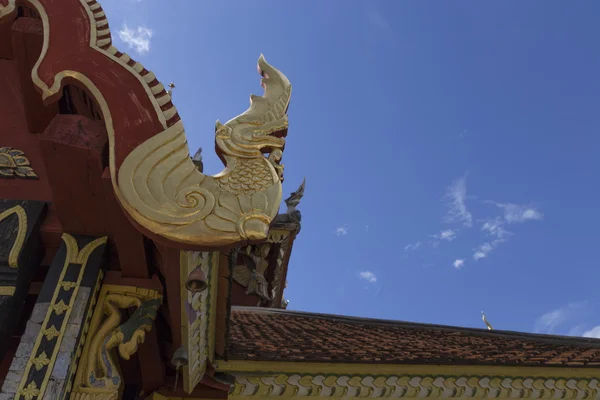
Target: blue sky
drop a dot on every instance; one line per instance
(449, 148)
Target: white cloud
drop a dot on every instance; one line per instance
(412, 247)
(368, 276)
(458, 263)
(341, 231)
(137, 39)
(593, 333)
(448, 235)
(551, 320)
(456, 196)
(515, 213)
(483, 250)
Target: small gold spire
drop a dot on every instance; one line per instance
(485, 321)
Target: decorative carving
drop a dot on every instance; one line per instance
(292, 215)
(98, 376)
(198, 321)
(377, 386)
(44, 353)
(172, 197)
(19, 240)
(283, 238)
(30, 391)
(51, 333)
(157, 182)
(251, 274)
(82, 339)
(14, 163)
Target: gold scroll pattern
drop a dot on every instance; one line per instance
(361, 386)
(40, 359)
(197, 314)
(98, 376)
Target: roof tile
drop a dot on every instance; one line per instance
(273, 335)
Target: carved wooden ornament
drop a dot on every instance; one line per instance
(152, 173)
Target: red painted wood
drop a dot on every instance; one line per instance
(72, 147)
(69, 48)
(13, 133)
(129, 242)
(27, 38)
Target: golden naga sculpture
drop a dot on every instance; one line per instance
(173, 198)
(153, 176)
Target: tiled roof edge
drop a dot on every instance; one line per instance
(555, 339)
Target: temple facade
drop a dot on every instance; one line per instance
(127, 273)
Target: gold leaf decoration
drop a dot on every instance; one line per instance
(68, 285)
(14, 163)
(51, 333)
(30, 391)
(60, 307)
(41, 361)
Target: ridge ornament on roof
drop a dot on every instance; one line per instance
(153, 176)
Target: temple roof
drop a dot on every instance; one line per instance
(260, 334)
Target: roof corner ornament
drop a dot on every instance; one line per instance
(485, 321)
(292, 215)
(166, 193)
(197, 160)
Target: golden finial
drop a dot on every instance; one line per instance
(171, 87)
(485, 321)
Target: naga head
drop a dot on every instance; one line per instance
(261, 129)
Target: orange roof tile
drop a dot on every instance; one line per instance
(278, 335)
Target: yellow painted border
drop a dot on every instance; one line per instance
(401, 370)
(13, 256)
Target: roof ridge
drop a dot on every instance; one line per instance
(556, 339)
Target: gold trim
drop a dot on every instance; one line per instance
(387, 369)
(13, 257)
(376, 385)
(7, 290)
(59, 307)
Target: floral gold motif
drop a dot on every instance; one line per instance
(14, 163)
(41, 361)
(51, 333)
(60, 307)
(30, 391)
(68, 285)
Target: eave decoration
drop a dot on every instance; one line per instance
(407, 386)
(98, 375)
(153, 176)
(13, 163)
